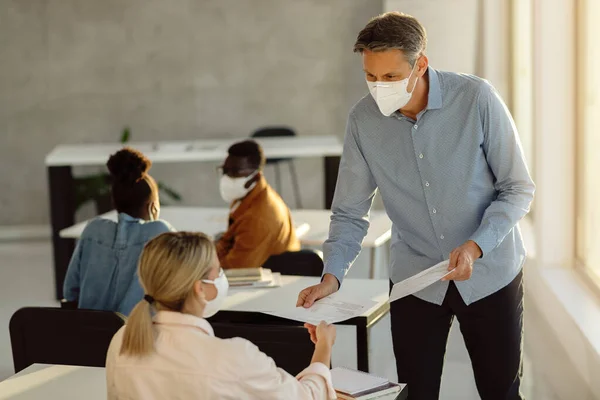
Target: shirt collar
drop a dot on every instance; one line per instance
(434, 98)
(177, 318)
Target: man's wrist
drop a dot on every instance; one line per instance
(331, 279)
(476, 250)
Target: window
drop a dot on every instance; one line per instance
(588, 137)
(522, 73)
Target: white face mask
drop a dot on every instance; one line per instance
(391, 96)
(222, 285)
(233, 189)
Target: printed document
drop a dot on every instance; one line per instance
(331, 309)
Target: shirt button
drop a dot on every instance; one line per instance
(442, 237)
(421, 155)
(434, 211)
(416, 126)
(427, 184)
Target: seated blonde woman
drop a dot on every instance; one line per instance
(168, 350)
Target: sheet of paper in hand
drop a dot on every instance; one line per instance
(419, 281)
(331, 309)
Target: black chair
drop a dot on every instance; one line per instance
(289, 346)
(279, 132)
(60, 336)
(304, 263)
(69, 305)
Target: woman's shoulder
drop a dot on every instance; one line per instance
(157, 227)
(115, 344)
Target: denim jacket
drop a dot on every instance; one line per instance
(102, 274)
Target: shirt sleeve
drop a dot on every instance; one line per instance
(354, 193)
(72, 283)
(262, 379)
(250, 246)
(513, 183)
(223, 246)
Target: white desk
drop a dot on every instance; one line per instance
(195, 150)
(39, 381)
(243, 306)
(313, 225)
(61, 182)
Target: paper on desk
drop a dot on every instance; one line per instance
(419, 281)
(331, 309)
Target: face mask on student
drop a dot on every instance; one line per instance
(391, 96)
(233, 189)
(222, 285)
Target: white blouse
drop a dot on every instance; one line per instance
(189, 362)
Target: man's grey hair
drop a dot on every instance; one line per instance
(393, 30)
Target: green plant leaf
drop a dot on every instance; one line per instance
(125, 135)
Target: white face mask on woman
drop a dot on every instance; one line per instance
(222, 285)
(392, 96)
(233, 189)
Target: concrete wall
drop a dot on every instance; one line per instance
(78, 71)
(470, 36)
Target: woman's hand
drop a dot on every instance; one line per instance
(323, 333)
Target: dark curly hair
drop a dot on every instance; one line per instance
(251, 150)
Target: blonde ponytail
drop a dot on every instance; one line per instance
(169, 266)
(138, 339)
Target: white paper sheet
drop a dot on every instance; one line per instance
(419, 281)
(331, 309)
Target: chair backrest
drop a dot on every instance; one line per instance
(304, 262)
(59, 336)
(289, 346)
(274, 131)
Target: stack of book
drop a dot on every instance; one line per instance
(252, 277)
(356, 385)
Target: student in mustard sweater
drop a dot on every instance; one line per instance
(260, 224)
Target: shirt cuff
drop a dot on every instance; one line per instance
(337, 272)
(324, 372)
(485, 239)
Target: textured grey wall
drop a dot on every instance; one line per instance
(77, 71)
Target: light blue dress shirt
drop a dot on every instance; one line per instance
(102, 274)
(457, 173)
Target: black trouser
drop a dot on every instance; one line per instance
(492, 329)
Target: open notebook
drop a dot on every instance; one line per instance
(352, 384)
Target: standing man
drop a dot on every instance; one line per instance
(444, 152)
